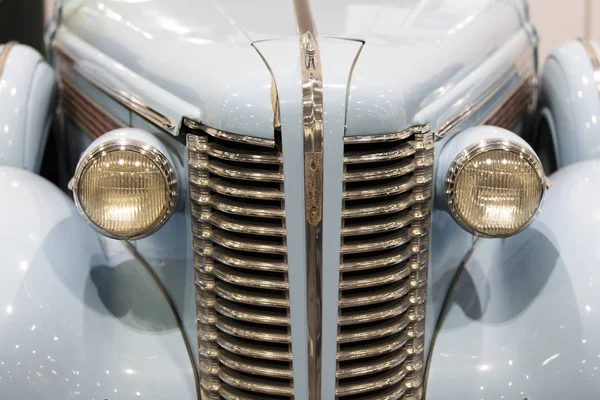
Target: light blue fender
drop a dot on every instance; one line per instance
(27, 104)
(80, 315)
(570, 102)
(523, 320)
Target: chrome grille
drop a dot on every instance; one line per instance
(240, 263)
(383, 267)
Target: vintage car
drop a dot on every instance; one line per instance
(299, 199)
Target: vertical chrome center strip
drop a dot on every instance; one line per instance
(312, 113)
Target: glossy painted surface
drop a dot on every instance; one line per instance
(181, 57)
(417, 51)
(27, 105)
(523, 318)
(284, 61)
(80, 317)
(570, 101)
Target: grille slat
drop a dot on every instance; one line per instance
(383, 268)
(366, 156)
(240, 260)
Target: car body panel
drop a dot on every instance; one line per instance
(405, 63)
(522, 320)
(184, 51)
(80, 316)
(229, 65)
(570, 102)
(27, 105)
(449, 244)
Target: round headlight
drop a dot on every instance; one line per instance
(495, 187)
(125, 188)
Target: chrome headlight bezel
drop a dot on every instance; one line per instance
(143, 148)
(483, 146)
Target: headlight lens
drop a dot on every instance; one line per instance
(125, 188)
(495, 187)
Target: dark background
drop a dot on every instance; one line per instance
(23, 21)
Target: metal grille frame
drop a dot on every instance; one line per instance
(386, 217)
(240, 265)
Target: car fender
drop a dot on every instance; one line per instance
(522, 320)
(28, 94)
(80, 315)
(570, 102)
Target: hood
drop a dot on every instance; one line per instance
(201, 51)
(192, 49)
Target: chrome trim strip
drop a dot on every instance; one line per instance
(486, 94)
(163, 290)
(312, 110)
(4, 55)
(595, 60)
(229, 136)
(444, 311)
(129, 100)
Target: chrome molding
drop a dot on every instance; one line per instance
(524, 70)
(163, 290)
(595, 60)
(482, 147)
(129, 100)
(232, 137)
(4, 55)
(443, 313)
(312, 112)
(137, 146)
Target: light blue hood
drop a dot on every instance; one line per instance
(201, 51)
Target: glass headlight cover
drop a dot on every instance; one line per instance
(495, 187)
(125, 188)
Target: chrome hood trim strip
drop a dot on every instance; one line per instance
(312, 114)
(4, 55)
(594, 59)
(126, 99)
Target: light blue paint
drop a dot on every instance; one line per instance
(570, 102)
(523, 317)
(79, 315)
(337, 57)
(28, 98)
(413, 49)
(283, 58)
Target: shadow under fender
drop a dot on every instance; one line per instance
(79, 314)
(522, 320)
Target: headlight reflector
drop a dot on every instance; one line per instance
(125, 188)
(495, 187)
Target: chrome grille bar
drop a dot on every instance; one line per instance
(383, 267)
(240, 264)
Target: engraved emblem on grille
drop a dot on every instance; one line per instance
(314, 187)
